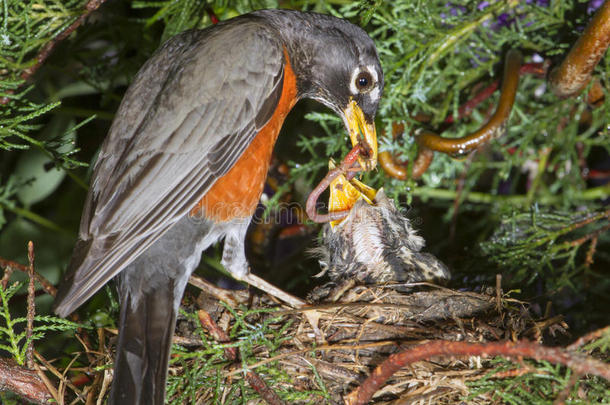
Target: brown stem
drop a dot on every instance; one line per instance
(231, 353)
(8, 272)
(46, 284)
(48, 48)
(574, 73)
(23, 382)
(577, 362)
(583, 340)
(29, 354)
(217, 333)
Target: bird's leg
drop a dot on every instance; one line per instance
(234, 260)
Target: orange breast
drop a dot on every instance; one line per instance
(236, 194)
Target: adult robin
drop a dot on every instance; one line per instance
(185, 161)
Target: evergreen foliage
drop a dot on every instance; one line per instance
(526, 206)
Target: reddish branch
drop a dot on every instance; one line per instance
(579, 363)
(48, 48)
(11, 265)
(583, 340)
(213, 17)
(217, 333)
(23, 382)
(231, 353)
(574, 73)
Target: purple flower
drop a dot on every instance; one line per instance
(594, 5)
(454, 10)
(483, 5)
(541, 3)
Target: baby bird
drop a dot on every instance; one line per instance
(375, 243)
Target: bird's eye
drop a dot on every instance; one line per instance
(364, 81)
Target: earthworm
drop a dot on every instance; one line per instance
(349, 169)
(429, 142)
(574, 73)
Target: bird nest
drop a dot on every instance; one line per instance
(325, 351)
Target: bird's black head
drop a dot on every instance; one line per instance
(336, 63)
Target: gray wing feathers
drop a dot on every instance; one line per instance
(187, 117)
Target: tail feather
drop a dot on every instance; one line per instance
(147, 328)
(64, 300)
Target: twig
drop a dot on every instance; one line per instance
(592, 235)
(591, 251)
(62, 378)
(313, 350)
(213, 17)
(577, 362)
(217, 333)
(231, 297)
(23, 382)
(583, 340)
(498, 292)
(54, 393)
(29, 354)
(108, 374)
(48, 48)
(44, 283)
(231, 353)
(8, 272)
(91, 395)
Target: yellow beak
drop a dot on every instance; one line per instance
(344, 193)
(362, 132)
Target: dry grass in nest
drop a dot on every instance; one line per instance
(330, 347)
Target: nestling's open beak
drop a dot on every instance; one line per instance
(362, 132)
(344, 193)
